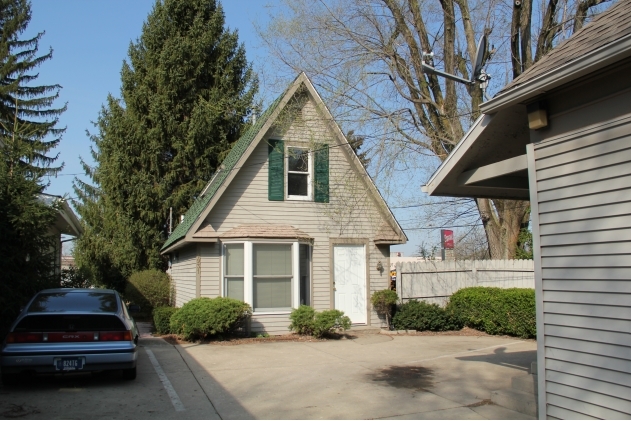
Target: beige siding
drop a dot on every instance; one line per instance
(211, 270)
(183, 274)
(351, 214)
(584, 202)
(272, 324)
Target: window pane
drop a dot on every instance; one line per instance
(272, 259)
(305, 284)
(234, 259)
(234, 288)
(272, 293)
(297, 184)
(298, 160)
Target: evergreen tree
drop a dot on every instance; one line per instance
(28, 132)
(187, 90)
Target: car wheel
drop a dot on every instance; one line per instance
(129, 373)
(9, 379)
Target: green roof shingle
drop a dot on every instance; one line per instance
(227, 166)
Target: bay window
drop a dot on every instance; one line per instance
(270, 276)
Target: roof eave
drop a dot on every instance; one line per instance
(590, 63)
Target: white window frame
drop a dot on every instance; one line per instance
(248, 276)
(309, 196)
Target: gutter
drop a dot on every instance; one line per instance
(590, 63)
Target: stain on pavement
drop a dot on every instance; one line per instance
(405, 377)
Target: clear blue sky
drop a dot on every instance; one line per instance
(90, 41)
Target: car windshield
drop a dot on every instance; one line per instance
(49, 302)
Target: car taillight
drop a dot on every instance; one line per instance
(115, 336)
(24, 337)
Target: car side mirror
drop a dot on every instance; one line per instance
(134, 308)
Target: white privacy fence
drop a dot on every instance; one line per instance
(435, 281)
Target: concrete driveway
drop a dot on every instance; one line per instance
(372, 376)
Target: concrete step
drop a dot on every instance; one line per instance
(515, 400)
(526, 383)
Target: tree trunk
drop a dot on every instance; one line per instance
(502, 221)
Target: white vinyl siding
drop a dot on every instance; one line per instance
(583, 182)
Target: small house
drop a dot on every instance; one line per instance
(291, 217)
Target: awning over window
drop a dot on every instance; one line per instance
(265, 231)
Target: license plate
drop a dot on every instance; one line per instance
(69, 364)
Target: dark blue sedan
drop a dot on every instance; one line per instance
(71, 330)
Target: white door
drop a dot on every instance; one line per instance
(349, 277)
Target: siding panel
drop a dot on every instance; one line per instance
(584, 213)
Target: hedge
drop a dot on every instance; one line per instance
(203, 317)
(496, 311)
(149, 289)
(306, 321)
(162, 319)
(421, 316)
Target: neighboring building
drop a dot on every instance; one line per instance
(560, 136)
(66, 223)
(290, 218)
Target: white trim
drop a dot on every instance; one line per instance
(310, 159)
(248, 279)
(295, 269)
(461, 148)
(248, 275)
(536, 250)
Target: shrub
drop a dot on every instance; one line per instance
(496, 311)
(148, 289)
(162, 319)
(382, 301)
(328, 321)
(302, 320)
(202, 317)
(419, 315)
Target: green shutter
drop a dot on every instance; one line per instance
(322, 174)
(276, 170)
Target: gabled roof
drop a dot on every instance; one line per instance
(226, 167)
(490, 160)
(239, 153)
(65, 219)
(599, 44)
(604, 29)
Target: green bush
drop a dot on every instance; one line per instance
(306, 321)
(327, 321)
(419, 315)
(302, 320)
(149, 289)
(496, 311)
(202, 317)
(162, 319)
(382, 301)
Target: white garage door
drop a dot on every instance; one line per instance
(349, 274)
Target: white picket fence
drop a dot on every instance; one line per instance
(435, 281)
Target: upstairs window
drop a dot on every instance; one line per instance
(298, 173)
(299, 170)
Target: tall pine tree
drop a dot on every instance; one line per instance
(187, 90)
(28, 133)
